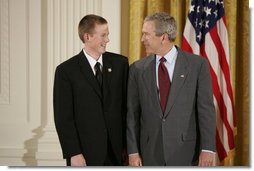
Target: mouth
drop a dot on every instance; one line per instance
(104, 46)
(146, 46)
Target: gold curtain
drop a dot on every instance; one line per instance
(237, 17)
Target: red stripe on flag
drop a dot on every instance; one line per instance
(220, 101)
(186, 45)
(224, 65)
(206, 17)
(220, 148)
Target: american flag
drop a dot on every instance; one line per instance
(206, 34)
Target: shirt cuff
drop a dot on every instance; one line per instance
(132, 154)
(209, 151)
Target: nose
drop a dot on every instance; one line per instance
(107, 39)
(142, 38)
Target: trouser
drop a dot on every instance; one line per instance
(110, 159)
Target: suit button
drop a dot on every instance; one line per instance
(163, 119)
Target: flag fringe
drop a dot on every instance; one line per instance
(229, 160)
(235, 131)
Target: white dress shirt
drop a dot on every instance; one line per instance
(169, 63)
(92, 61)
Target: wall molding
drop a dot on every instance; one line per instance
(4, 53)
(36, 36)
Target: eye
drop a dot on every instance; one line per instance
(105, 35)
(147, 34)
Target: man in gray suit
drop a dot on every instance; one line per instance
(171, 115)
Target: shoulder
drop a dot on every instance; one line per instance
(69, 63)
(115, 57)
(146, 61)
(191, 58)
(143, 63)
(195, 63)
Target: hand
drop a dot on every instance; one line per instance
(78, 160)
(206, 159)
(135, 160)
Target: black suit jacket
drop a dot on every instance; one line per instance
(84, 116)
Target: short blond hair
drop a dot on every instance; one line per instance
(87, 24)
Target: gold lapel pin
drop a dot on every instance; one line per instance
(109, 69)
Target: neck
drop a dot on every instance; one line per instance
(94, 55)
(166, 49)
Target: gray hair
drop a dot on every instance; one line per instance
(164, 23)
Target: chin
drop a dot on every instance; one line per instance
(149, 53)
(103, 51)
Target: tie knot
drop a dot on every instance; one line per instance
(163, 59)
(97, 66)
(98, 73)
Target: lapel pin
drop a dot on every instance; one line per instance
(182, 76)
(109, 70)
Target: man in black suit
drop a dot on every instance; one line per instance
(90, 100)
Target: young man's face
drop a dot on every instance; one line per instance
(98, 40)
(151, 42)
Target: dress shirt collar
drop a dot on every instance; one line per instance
(170, 56)
(92, 61)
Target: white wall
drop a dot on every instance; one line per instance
(35, 36)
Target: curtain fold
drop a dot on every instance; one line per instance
(237, 17)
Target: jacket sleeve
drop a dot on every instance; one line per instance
(133, 113)
(206, 110)
(64, 114)
(124, 103)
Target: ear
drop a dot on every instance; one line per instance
(86, 37)
(165, 36)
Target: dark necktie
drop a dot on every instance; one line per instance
(164, 84)
(98, 73)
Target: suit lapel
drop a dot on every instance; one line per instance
(86, 70)
(107, 73)
(149, 77)
(179, 76)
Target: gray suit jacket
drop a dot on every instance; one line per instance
(188, 125)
